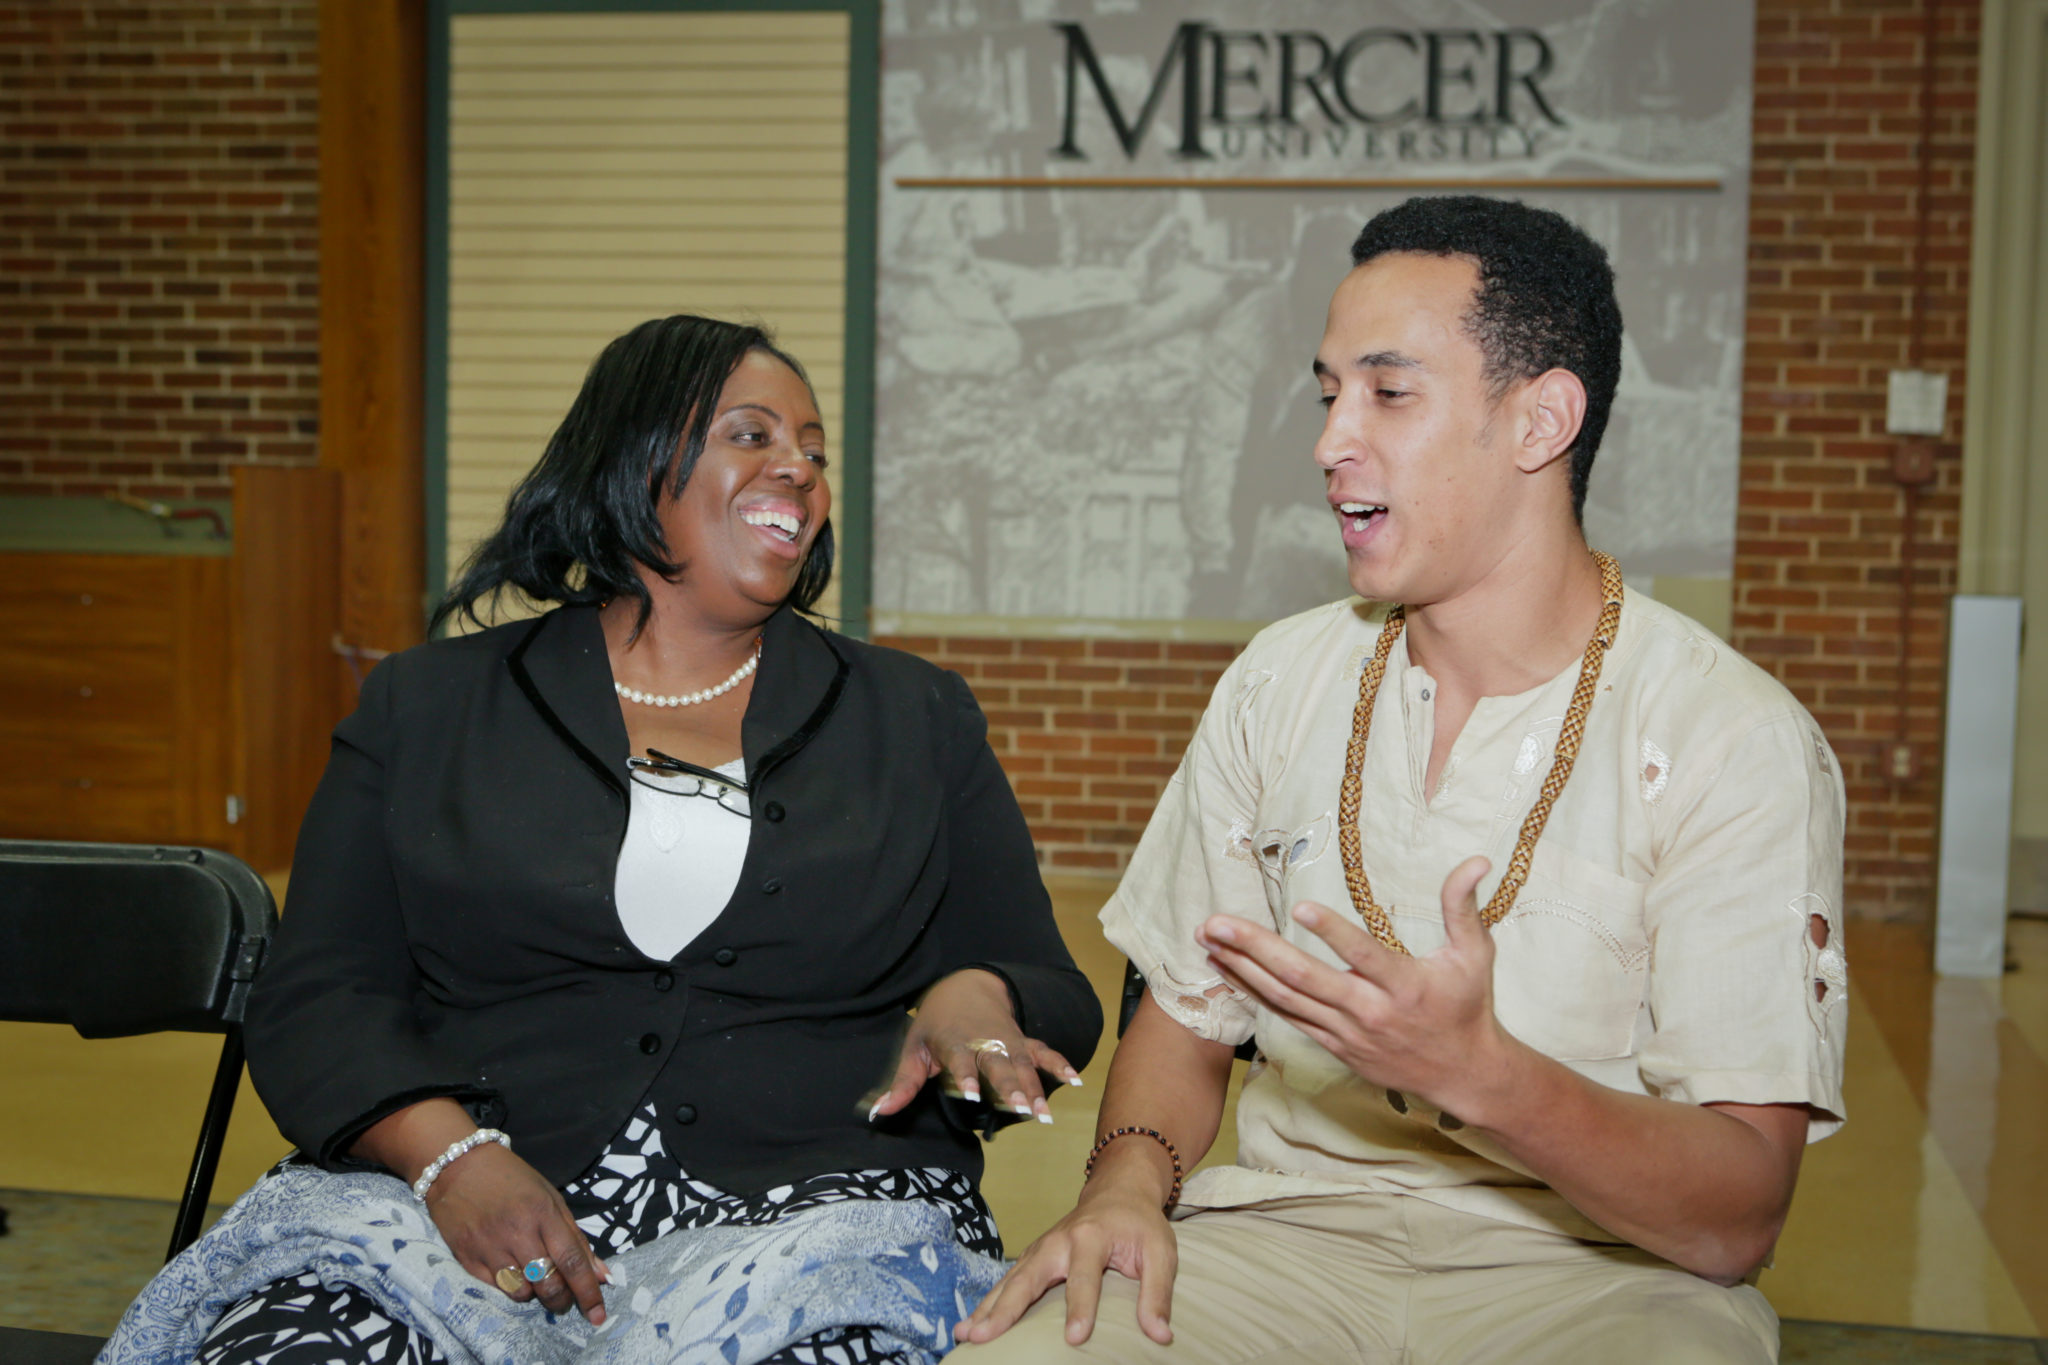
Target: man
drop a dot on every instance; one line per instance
(1566, 1128)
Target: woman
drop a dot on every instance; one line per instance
(647, 886)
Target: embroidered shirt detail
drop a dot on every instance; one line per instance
(1187, 1003)
(1656, 772)
(1282, 852)
(1630, 959)
(1827, 966)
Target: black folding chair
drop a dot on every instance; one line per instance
(117, 940)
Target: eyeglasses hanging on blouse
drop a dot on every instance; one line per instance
(729, 792)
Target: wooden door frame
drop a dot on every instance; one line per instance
(372, 263)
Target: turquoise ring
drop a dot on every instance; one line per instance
(538, 1269)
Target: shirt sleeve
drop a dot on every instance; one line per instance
(1748, 989)
(1195, 860)
(996, 914)
(333, 1028)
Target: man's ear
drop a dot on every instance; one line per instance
(1553, 410)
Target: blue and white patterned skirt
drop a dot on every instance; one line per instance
(636, 1192)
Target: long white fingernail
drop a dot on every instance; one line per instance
(972, 1092)
(874, 1111)
(1073, 1080)
(1043, 1118)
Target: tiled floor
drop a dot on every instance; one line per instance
(1902, 1221)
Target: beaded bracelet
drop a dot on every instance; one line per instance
(1172, 1195)
(459, 1147)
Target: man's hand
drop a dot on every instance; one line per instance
(1118, 1225)
(1420, 1025)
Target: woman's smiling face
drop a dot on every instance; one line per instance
(757, 499)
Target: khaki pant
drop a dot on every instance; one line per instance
(1395, 1280)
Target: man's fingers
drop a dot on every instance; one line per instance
(1156, 1271)
(999, 1309)
(1084, 1295)
(1279, 961)
(1280, 975)
(1364, 954)
(1463, 926)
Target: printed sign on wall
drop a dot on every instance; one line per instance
(1109, 235)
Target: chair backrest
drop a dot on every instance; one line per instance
(120, 939)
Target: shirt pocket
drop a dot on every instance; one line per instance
(1573, 959)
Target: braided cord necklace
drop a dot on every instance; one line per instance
(1560, 772)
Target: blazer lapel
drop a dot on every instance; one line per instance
(562, 667)
(795, 689)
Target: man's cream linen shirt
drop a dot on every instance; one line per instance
(1663, 944)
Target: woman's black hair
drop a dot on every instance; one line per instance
(584, 517)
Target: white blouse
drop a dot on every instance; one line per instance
(686, 839)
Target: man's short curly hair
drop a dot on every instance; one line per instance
(1545, 299)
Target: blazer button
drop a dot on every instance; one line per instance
(771, 886)
(773, 812)
(664, 980)
(725, 957)
(686, 1113)
(650, 1043)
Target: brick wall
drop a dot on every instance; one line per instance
(1090, 732)
(1835, 192)
(158, 244)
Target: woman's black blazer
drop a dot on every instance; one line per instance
(450, 928)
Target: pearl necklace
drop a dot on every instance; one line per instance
(693, 698)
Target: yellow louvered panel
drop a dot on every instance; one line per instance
(609, 168)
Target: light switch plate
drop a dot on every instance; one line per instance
(1916, 403)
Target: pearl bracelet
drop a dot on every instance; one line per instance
(460, 1147)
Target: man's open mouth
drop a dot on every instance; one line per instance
(1359, 515)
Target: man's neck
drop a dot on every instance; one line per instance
(1518, 626)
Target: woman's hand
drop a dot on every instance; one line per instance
(966, 1029)
(494, 1211)
(497, 1212)
(1117, 1225)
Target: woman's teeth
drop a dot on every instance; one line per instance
(1360, 513)
(781, 521)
